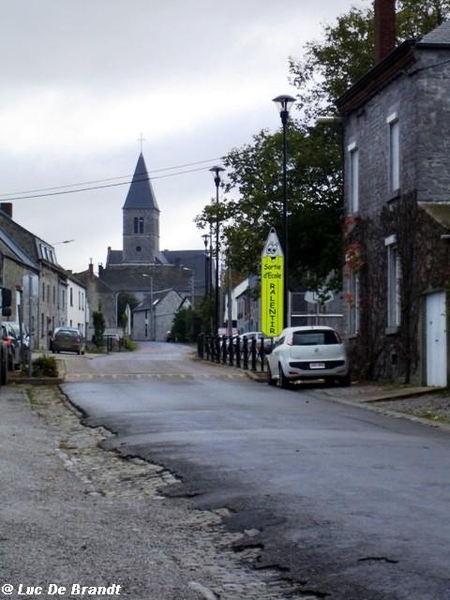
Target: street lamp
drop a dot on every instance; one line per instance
(284, 104)
(152, 314)
(205, 237)
(216, 171)
(63, 242)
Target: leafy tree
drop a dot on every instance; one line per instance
(254, 196)
(125, 299)
(99, 327)
(187, 325)
(347, 51)
(315, 202)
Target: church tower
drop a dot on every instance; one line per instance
(140, 219)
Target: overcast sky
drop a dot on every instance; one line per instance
(82, 80)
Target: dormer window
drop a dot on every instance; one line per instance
(46, 253)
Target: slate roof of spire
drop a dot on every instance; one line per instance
(141, 194)
(438, 37)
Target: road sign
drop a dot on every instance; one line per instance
(272, 278)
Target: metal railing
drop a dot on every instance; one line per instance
(248, 353)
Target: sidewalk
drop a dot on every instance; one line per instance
(57, 529)
(74, 514)
(428, 405)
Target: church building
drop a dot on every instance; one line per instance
(153, 283)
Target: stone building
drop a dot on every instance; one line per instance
(39, 285)
(397, 132)
(140, 270)
(153, 317)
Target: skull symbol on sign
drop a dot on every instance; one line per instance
(272, 249)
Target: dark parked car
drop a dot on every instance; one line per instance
(12, 340)
(67, 339)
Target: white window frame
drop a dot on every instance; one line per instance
(393, 283)
(394, 152)
(353, 172)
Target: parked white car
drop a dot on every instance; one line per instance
(308, 352)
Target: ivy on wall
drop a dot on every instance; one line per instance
(379, 353)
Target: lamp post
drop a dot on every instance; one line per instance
(284, 104)
(152, 314)
(216, 171)
(205, 242)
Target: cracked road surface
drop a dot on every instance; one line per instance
(345, 503)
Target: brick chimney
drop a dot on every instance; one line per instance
(384, 28)
(7, 208)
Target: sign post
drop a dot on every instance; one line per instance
(272, 286)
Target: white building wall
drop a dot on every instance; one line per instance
(77, 306)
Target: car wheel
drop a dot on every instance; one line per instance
(345, 381)
(270, 379)
(283, 381)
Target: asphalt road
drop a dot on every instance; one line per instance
(349, 503)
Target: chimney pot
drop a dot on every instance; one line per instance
(384, 28)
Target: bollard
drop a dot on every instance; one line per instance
(253, 353)
(238, 352)
(245, 352)
(224, 349)
(217, 344)
(230, 351)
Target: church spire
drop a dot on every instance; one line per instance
(140, 219)
(141, 194)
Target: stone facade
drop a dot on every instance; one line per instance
(39, 285)
(153, 318)
(140, 269)
(396, 119)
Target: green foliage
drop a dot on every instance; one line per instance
(129, 345)
(123, 321)
(99, 328)
(415, 18)
(187, 325)
(45, 366)
(314, 154)
(254, 196)
(347, 52)
(332, 65)
(205, 315)
(125, 299)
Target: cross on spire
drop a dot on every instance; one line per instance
(141, 140)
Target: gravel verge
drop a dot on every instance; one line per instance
(434, 407)
(73, 513)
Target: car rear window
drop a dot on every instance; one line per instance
(314, 338)
(68, 333)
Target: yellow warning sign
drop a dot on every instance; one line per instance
(272, 278)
